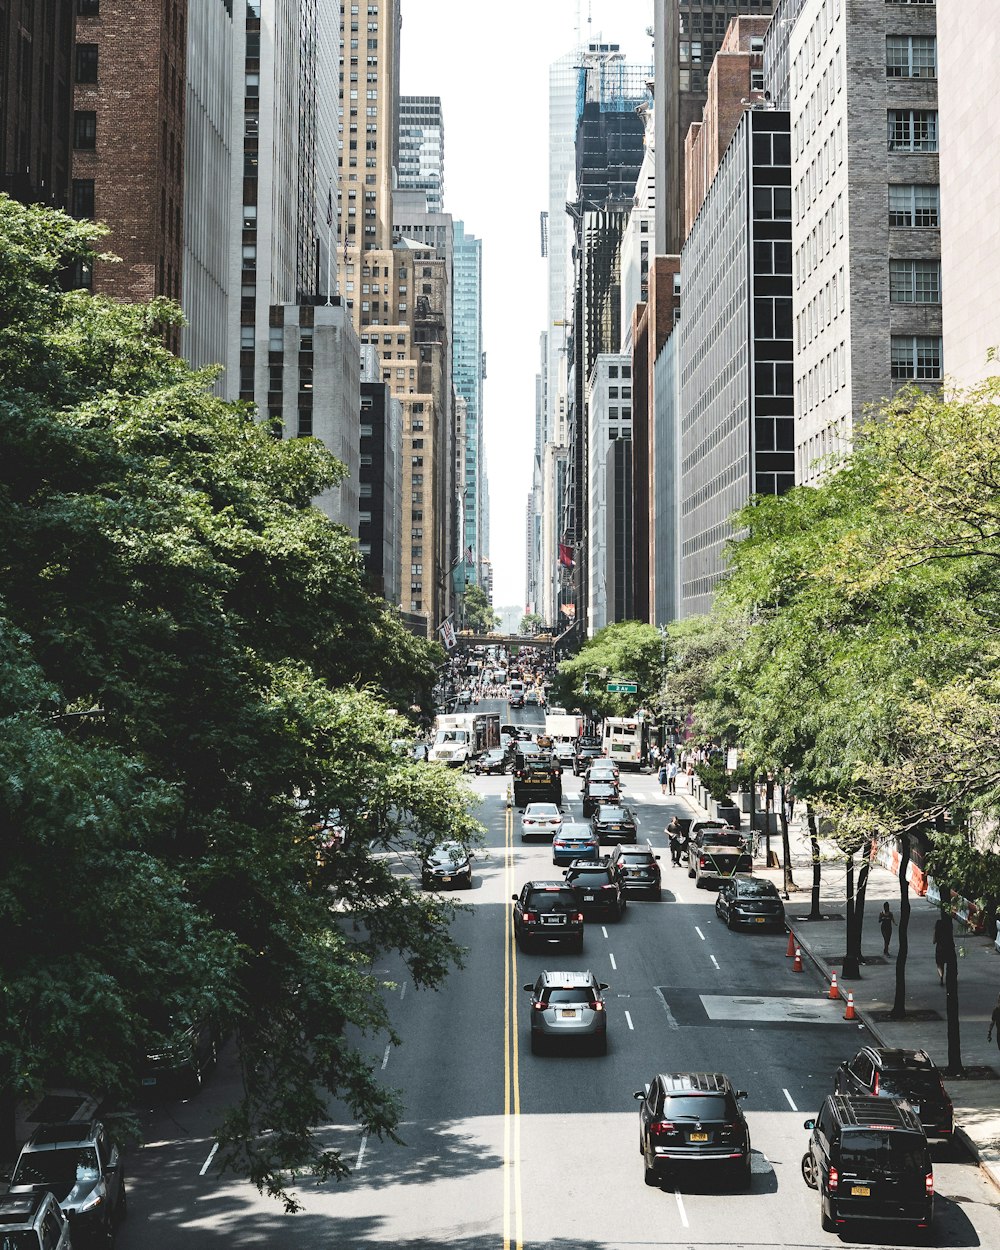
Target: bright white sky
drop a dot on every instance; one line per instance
(488, 60)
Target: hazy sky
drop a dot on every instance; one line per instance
(488, 60)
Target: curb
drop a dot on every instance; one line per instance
(987, 1159)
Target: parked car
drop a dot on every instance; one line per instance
(614, 822)
(542, 820)
(750, 901)
(598, 890)
(546, 913)
(181, 1054)
(639, 868)
(693, 1117)
(869, 1160)
(716, 854)
(879, 1072)
(568, 1006)
(575, 842)
(596, 792)
(80, 1164)
(33, 1221)
(447, 864)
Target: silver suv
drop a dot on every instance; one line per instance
(33, 1221)
(567, 1005)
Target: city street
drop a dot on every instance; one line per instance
(503, 1148)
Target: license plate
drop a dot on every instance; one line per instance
(446, 879)
(569, 1013)
(759, 919)
(149, 1080)
(552, 920)
(588, 898)
(861, 1191)
(697, 1137)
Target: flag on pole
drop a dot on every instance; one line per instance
(468, 554)
(566, 556)
(329, 206)
(447, 632)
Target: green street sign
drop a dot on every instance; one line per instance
(622, 687)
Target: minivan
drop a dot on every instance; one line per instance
(869, 1159)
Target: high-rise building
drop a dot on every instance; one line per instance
(421, 148)
(968, 38)
(609, 493)
(866, 214)
(686, 36)
(38, 67)
(468, 372)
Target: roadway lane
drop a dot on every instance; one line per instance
(505, 1149)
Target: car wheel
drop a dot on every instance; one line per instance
(658, 894)
(825, 1222)
(744, 1174)
(468, 882)
(730, 925)
(809, 1170)
(650, 1177)
(691, 872)
(577, 947)
(425, 883)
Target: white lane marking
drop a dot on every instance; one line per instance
(361, 1149)
(715, 962)
(680, 1208)
(604, 930)
(671, 1021)
(385, 1057)
(208, 1162)
(628, 1021)
(402, 992)
(789, 1097)
(613, 964)
(699, 932)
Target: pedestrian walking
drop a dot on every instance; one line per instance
(661, 777)
(654, 757)
(995, 1023)
(672, 778)
(675, 833)
(886, 921)
(944, 943)
(690, 777)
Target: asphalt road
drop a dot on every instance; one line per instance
(506, 1149)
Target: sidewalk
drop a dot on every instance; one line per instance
(977, 1100)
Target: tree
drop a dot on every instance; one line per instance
(531, 623)
(627, 650)
(192, 680)
(477, 611)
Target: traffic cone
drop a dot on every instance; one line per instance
(849, 1013)
(791, 945)
(834, 991)
(797, 965)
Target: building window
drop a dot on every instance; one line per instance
(84, 130)
(916, 358)
(88, 8)
(772, 203)
(914, 205)
(914, 282)
(82, 202)
(911, 56)
(246, 338)
(86, 62)
(913, 130)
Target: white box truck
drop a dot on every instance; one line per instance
(459, 738)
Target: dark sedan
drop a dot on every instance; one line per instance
(597, 792)
(492, 761)
(613, 822)
(447, 865)
(750, 901)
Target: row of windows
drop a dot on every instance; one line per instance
(822, 310)
(820, 241)
(823, 380)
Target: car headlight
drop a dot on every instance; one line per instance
(92, 1202)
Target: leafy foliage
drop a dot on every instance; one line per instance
(626, 650)
(477, 611)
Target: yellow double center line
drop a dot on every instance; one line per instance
(513, 1226)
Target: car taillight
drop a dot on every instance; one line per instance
(929, 1184)
(607, 887)
(597, 1006)
(578, 917)
(875, 1086)
(832, 1180)
(538, 1006)
(727, 1130)
(701, 861)
(530, 917)
(661, 1128)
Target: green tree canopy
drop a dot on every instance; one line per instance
(629, 650)
(192, 679)
(477, 611)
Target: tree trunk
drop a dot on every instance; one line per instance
(786, 853)
(8, 1119)
(859, 910)
(951, 1003)
(814, 911)
(899, 1002)
(852, 967)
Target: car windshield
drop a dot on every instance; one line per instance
(601, 787)
(756, 889)
(62, 1168)
(552, 900)
(452, 735)
(577, 833)
(541, 809)
(900, 1152)
(699, 1107)
(712, 838)
(569, 994)
(637, 857)
(609, 812)
(450, 853)
(589, 876)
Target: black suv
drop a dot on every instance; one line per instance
(751, 901)
(613, 822)
(537, 779)
(597, 792)
(869, 1159)
(587, 749)
(81, 1165)
(639, 869)
(547, 912)
(33, 1221)
(904, 1074)
(598, 889)
(692, 1117)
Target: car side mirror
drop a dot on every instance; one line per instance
(529, 987)
(809, 1124)
(603, 985)
(639, 1095)
(742, 1093)
(656, 857)
(514, 897)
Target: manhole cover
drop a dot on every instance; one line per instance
(919, 1015)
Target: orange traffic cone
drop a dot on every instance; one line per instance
(834, 991)
(849, 1013)
(791, 945)
(797, 965)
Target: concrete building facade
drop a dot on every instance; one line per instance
(866, 213)
(664, 484)
(469, 375)
(968, 50)
(609, 494)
